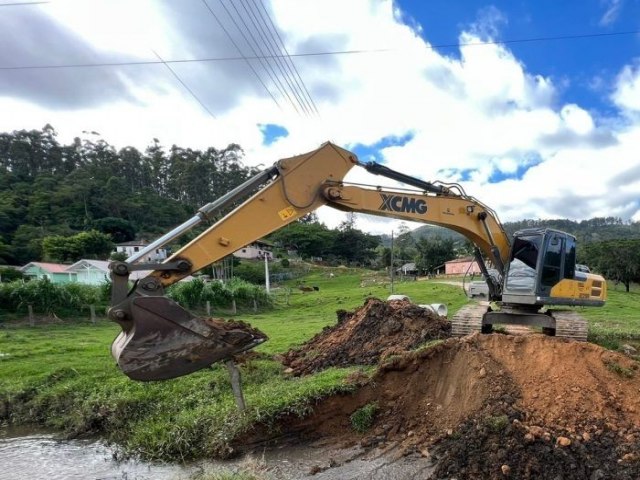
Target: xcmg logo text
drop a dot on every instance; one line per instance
(402, 204)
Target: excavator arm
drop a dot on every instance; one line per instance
(161, 340)
(462, 214)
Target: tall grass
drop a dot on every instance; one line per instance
(196, 293)
(46, 297)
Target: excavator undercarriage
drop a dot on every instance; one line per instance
(479, 317)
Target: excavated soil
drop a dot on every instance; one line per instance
(372, 332)
(499, 406)
(236, 332)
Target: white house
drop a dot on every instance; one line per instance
(95, 272)
(256, 250)
(90, 272)
(129, 248)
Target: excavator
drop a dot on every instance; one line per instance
(531, 278)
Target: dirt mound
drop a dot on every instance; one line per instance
(501, 406)
(374, 331)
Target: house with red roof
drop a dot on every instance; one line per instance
(461, 266)
(55, 272)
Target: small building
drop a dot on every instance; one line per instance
(134, 246)
(257, 250)
(96, 272)
(407, 269)
(90, 272)
(55, 272)
(461, 266)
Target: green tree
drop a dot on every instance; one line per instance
(433, 252)
(355, 246)
(309, 239)
(91, 244)
(8, 274)
(617, 260)
(385, 256)
(404, 245)
(119, 229)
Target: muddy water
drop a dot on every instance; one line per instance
(33, 455)
(29, 455)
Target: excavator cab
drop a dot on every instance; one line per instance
(542, 271)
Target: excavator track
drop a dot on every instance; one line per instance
(571, 325)
(468, 320)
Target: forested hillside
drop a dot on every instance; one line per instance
(56, 200)
(47, 188)
(63, 196)
(592, 230)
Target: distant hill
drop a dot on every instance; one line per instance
(592, 230)
(427, 231)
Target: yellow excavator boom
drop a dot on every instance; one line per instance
(160, 339)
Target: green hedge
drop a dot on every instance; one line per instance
(196, 293)
(47, 298)
(72, 298)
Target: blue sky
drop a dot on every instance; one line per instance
(544, 129)
(578, 63)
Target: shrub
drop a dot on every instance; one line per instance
(188, 294)
(196, 293)
(245, 293)
(8, 274)
(47, 297)
(218, 294)
(362, 419)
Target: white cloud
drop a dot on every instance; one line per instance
(612, 12)
(577, 119)
(627, 90)
(479, 112)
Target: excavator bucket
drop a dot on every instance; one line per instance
(161, 340)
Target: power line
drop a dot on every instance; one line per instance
(183, 84)
(271, 51)
(20, 4)
(275, 79)
(310, 101)
(185, 60)
(312, 54)
(243, 57)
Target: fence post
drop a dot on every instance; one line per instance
(236, 384)
(92, 309)
(32, 320)
(234, 310)
(255, 305)
(208, 308)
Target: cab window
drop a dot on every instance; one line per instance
(552, 264)
(570, 258)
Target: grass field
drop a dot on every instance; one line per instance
(62, 375)
(618, 322)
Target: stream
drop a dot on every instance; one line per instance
(27, 454)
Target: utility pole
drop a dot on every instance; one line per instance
(266, 272)
(392, 269)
